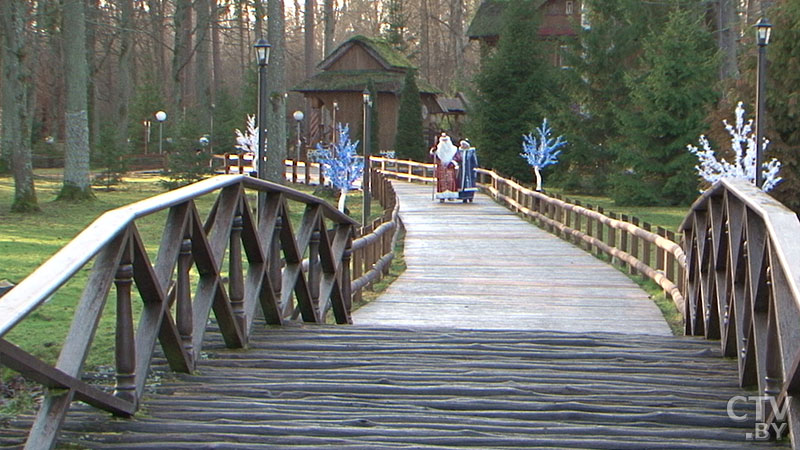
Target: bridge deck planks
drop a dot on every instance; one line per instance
(481, 266)
(373, 388)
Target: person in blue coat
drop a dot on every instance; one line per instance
(467, 163)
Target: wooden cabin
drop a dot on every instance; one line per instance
(559, 20)
(335, 94)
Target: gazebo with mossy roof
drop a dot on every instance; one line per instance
(335, 94)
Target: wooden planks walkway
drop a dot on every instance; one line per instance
(340, 387)
(479, 266)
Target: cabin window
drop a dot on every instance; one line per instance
(568, 9)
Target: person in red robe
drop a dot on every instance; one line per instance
(446, 171)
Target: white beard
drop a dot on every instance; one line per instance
(445, 150)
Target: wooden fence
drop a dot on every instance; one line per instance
(640, 247)
(627, 240)
(743, 260)
(240, 262)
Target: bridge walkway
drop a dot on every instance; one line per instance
(479, 265)
(509, 359)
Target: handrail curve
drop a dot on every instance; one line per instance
(743, 288)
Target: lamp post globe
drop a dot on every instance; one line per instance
(161, 116)
(365, 178)
(763, 32)
(262, 48)
(298, 117)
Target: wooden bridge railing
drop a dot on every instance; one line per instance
(241, 261)
(624, 241)
(404, 169)
(743, 260)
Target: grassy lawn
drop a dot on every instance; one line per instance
(669, 217)
(27, 240)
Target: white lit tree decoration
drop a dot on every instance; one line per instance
(541, 151)
(743, 144)
(340, 163)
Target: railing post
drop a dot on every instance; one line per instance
(314, 269)
(307, 171)
(359, 257)
(634, 245)
(671, 263)
(346, 281)
(183, 306)
(623, 238)
(577, 223)
(235, 274)
(275, 264)
(589, 227)
(125, 354)
(612, 234)
(646, 253)
(600, 230)
(660, 261)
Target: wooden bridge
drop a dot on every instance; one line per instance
(527, 362)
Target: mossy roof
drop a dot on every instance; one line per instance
(380, 48)
(488, 20)
(356, 81)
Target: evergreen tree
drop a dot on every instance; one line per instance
(597, 62)
(410, 143)
(395, 24)
(783, 92)
(516, 89)
(670, 97)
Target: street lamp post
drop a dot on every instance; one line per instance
(161, 116)
(763, 29)
(365, 178)
(298, 117)
(262, 53)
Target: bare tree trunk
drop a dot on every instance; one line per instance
(216, 51)
(457, 34)
(425, 38)
(276, 80)
(77, 181)
(330, 27)
(94, 90)
(182, 55)
(16, 125)
(260, 13)
(244, 43)
(727, 32)
(124, 81)
(203, 75)
(309, 39)
(157, 29)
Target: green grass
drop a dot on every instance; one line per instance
(669, 217)
(28, 240)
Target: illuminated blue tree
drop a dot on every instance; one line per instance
(541, 151)
(340, 164)
(743, 144)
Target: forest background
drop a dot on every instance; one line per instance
(83, 78)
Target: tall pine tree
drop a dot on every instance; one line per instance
(516, 89)
(604, 51)
(410, 143)
(670, 97)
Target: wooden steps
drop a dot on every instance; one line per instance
(367, 388)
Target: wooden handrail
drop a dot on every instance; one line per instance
(173, 311)
(743, 287)
(555, 213)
